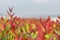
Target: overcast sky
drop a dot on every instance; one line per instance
(31, 8)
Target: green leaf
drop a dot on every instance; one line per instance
(7, 27)
(23, 29)
(19, 31)
(4, 38)
(10, 36)
(34, 35)
(47, 36)
(27, 27)
(24, 35)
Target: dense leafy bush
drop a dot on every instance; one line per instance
(16, 28)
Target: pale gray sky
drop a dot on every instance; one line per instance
(31, 8)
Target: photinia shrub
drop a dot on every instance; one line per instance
(16, 28)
